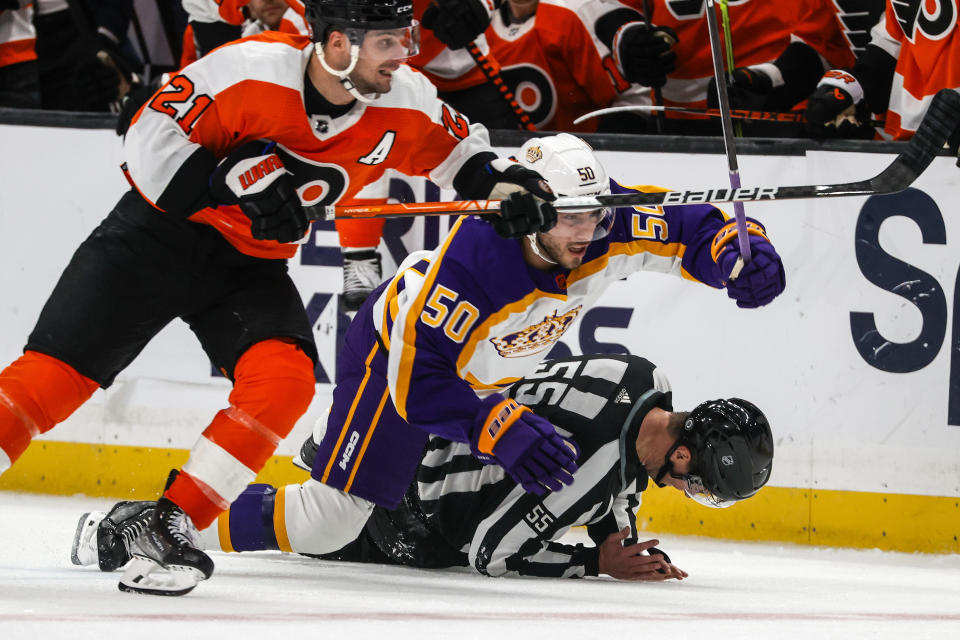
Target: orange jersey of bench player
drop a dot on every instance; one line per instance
(17, 35)
(253, 89)
(449, 70)
(557, 68)
(923, 37)
(760, 31)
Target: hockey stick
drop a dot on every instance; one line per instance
(941, 118)
(728, 48)
(493, 75)
(741, 114)
(657, 92)
(729, 147)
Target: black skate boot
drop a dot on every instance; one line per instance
(105, 538)
(166, 560)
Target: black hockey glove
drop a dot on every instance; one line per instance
(748, 89)
(645, 54)
(834, 102)
(266, 195)
(522, 214)
(456, 23)
(103, 78)
(525, 199)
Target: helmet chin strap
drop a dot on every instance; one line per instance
(535, 245)
(344, 75)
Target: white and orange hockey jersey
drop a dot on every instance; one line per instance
(17, 35)
(558, 69)
(253, 89)
(760, 31)
(922, 35)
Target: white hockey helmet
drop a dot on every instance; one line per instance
(569, 166)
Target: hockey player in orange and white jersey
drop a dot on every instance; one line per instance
(779, 50)
(216, 22)
(914, 52)
(204, 232)
(559, 64)
(274, 15)
(19, 83)
(443, 58)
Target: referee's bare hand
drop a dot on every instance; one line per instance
(632, 562)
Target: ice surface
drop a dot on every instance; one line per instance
(735, 590)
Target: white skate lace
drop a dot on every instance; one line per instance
(131, 529)
(360, 274)
(181, 528)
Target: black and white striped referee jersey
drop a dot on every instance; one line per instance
(460, 512)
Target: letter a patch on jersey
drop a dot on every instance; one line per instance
(381, 151)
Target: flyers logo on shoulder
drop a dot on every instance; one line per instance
(694, 9)
(935, 24)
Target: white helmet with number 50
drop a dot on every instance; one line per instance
(567, 163)
(569, 166)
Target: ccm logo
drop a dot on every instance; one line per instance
(348, 450)
(721, 195)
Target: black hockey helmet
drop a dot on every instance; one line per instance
(732, 447)
(732, 451)
(357, 14)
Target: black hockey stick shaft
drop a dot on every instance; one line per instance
(493, 76)
(658, 118)
(941, 118)
(729, 146)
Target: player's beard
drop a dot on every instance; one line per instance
(373, 81)
(554, 250)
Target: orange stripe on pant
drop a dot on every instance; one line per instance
(273, 387)
(37, 392)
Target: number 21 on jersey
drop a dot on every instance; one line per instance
(178, 101)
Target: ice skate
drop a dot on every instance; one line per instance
(166, 560)
(361, 275)
(308, 450)
(104, 539)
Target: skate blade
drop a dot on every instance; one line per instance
(298, 462)
(86, 527)
(144, 575)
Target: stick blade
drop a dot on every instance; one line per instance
(938, 123)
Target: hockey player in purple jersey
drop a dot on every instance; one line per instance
(432, 349)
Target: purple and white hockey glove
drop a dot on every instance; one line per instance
(760, 280)
(524, 444)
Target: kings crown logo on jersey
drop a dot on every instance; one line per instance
(935, 24)
(539, 337)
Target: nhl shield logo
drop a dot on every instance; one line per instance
(727, 461)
